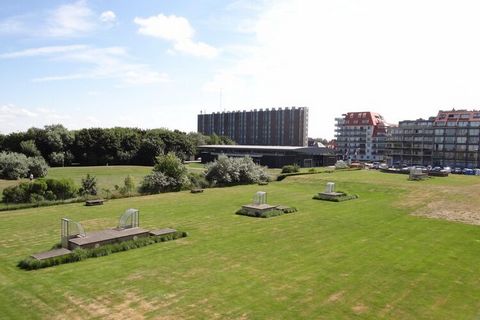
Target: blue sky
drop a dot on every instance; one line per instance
(154, 64)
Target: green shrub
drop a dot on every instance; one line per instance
(62, 188)
(89, 186)
(233, 171)
(198, 180)
(169, 174)
(81, 254)
(290, 168)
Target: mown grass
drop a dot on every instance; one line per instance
(365, 259)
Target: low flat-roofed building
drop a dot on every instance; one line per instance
(271, 156)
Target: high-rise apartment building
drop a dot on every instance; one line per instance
(274, 127)
(360, 136)
(452, 138)
(411, 142)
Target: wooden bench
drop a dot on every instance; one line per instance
(95, 202)
(196, 190)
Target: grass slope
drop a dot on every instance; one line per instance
(366, 258)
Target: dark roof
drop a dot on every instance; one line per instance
(259, 148)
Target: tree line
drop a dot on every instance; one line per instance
(101, 146)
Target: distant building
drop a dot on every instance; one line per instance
(411, 142)
(271, 127)
(452, 138)
(272, 156)
(360, 136)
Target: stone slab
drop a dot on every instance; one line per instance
(161, 232)
(108, 235)
(259, 206)
(51, 254)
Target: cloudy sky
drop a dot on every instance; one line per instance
(153, 64)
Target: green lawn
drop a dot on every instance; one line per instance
(366, 258)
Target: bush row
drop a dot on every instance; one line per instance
(267, 214)
(40, 190)
(82, 254)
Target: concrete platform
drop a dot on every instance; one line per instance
(260, 207)
(51, 254)
(161, 232)
(331, 195)
(94, 239)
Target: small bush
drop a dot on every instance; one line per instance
(198, 180)
(89, 186)
(290, 168)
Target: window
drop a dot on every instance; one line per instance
(439, 132)
(449, 147)
(473, 140)
(438, 139)
(473, 147)
(473, 132)
(461, 139)
(464, 116)
(451, 124)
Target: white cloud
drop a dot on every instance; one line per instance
(65, 21)
(105, 63)
(71, 19)
(10, 111)
(42, 51)
(404, 59)
(176, 30)
(108, 17)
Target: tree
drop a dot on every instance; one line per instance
(29, 148)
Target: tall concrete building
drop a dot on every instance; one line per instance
(360, 136)
(411, 142)
(269, 127)
(452, 138)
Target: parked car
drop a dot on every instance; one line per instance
(383, 166)
(436, 169)
(457, 170)
(376, 165)
(468, 171)
(447, 169)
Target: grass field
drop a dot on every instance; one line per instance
(367, 258)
